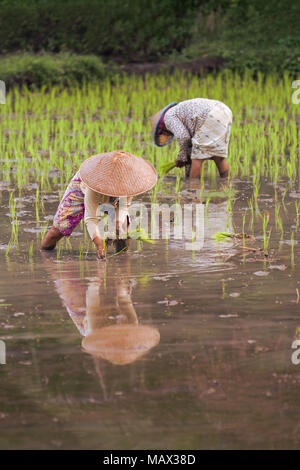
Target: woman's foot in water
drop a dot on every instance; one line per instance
(195, 171)
(50, 239)
(222, 166)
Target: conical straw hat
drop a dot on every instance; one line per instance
(161, 139)
(121, 344)
(118, 174)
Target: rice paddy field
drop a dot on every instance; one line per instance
(194, 346)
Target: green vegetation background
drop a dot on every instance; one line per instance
(52, 41)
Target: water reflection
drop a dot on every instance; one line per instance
(221, 377)
(101, 307)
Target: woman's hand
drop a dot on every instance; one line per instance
(180, 163)
(184, 155)
(101, 251)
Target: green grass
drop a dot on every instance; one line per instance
(46, 135)
(50, 69)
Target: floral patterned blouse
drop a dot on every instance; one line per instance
(186, 117)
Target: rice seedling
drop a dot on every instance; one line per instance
(68, 244)
(58, 251)
(12, 206)
(139, 234)
(30, 255)
(30, 251)
(37, 204)
(206, 207)
(297, 205)
(255, 198)
(243, 228)
(178, 186)
(202, 176)
(250, 204)
(222, 236)
(9, 245)
(277, 211)
(283, 198)
(167, 240)
(224, 293)
(117, 253)
(14, 237)
(292, 250)
(280, 224)
(43, 231)
(265, 234)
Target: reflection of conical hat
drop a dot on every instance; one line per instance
(118, 174)
(161, 139)
(121, 344)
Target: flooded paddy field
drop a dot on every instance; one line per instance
(162, 348)
(172, 345)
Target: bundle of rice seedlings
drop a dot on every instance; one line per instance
(166, 168)
(140, 235)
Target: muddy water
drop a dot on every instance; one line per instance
(166, 348)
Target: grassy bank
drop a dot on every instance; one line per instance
(47, 70)
(50, 69)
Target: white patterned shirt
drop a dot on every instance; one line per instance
(186, 117)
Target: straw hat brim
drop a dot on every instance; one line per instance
(118, 174)
(121, 344)
(160, 140)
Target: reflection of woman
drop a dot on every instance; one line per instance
(113, 332)
(104, 314)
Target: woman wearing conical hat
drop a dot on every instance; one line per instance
(202, 128)
(101, 179)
